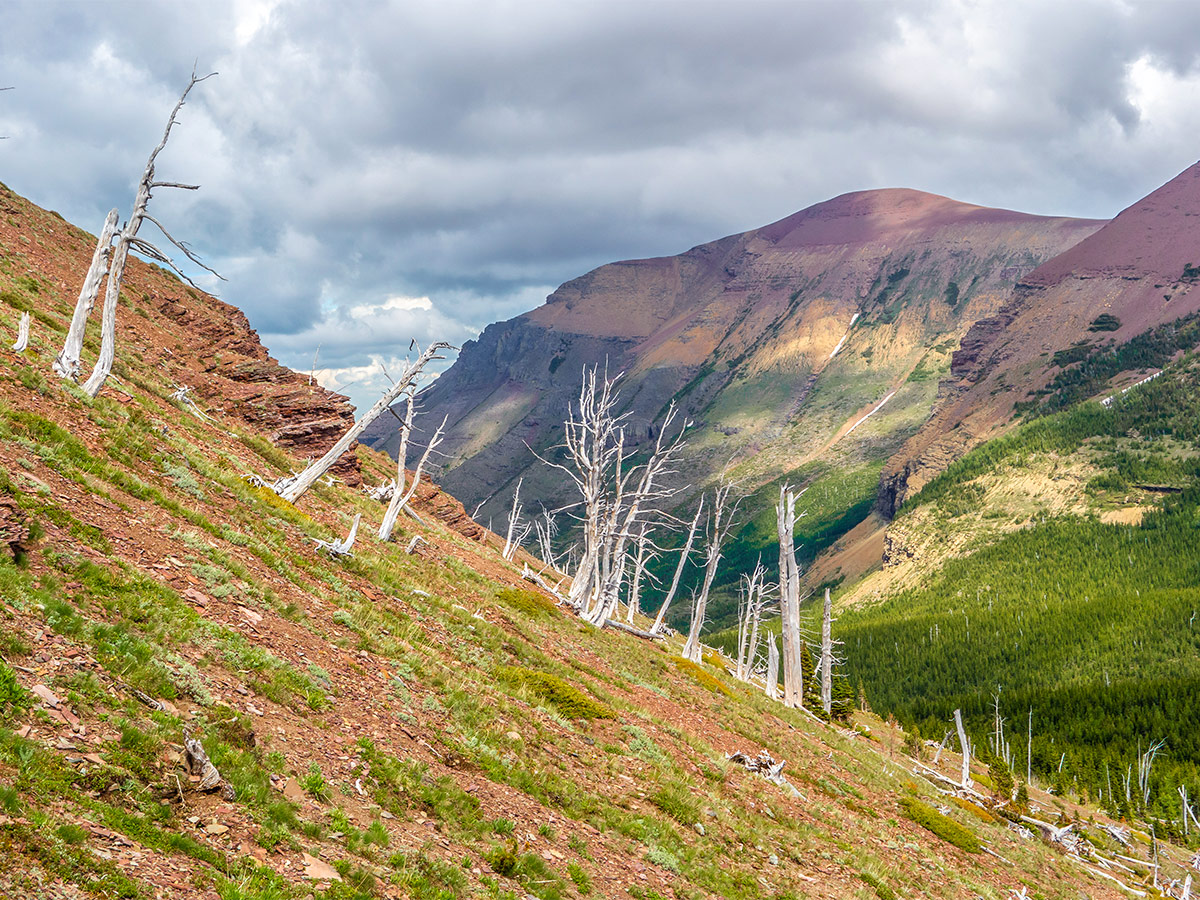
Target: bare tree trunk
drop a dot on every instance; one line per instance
(789, 594)
(128, 240)
(639, 571)
(396, 500)
(292, 488)
(718, 527)
(965, 744)
(514, 525)
(772, 668)
(827, 656)
(683, 558)
(22, 334)
(66, 364)
(400, 502)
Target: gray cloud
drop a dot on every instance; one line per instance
(476, 154)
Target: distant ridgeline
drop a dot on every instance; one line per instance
(1094, 626)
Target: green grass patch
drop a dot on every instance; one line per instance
(566, 698)
(944, 827)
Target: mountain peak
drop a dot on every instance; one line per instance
(881, 215)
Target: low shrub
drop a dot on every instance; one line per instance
(702, 677)
(567, 699)
(945, 828)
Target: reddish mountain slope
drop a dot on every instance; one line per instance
(776, 341)
(1137, 268)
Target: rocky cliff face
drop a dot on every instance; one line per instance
(194, 338)
(777, 342)
(1135, 273)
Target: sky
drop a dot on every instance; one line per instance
(374, 173)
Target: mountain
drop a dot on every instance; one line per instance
(1060, 333)
(398, 723)
(777, 342)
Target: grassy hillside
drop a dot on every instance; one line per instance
(388, 725)
(1088, 619)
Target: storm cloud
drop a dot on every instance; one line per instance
(377, 172)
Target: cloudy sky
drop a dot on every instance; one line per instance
(375, 172)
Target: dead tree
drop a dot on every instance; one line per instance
(720, 520)
(546, 529)
(645, 553)
(517, 530)
(772, 667)
(827, 656)
(22, 334)
(401, 498)
(292, 487)
(66, 364)
(753, 602)
(683, 558)
(128, 240)
(789, 599)
(965, 744)
(615, 497)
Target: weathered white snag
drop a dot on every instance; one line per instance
(827, 656)
(720, 519)
(128, 240)
(753, 600)
(292, 487)
(400, 500)
(22, 334)
(66, 364)
(645, 553)
(789, 599)
(683, 558)
(772, 667)
(965, 744)
(517, 530)
(615, 497)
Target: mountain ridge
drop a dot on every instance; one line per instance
(744, 332)
(1136, 269)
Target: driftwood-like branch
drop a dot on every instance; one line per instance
(22, 334)
(338, 549)
(636, 632)
(765, 766)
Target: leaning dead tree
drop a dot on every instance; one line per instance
(128, 240)
(660, 619)
(615, 496)
(789, 599)
(293, 486)
(401, 493)
(720, 520)
(66, 364)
